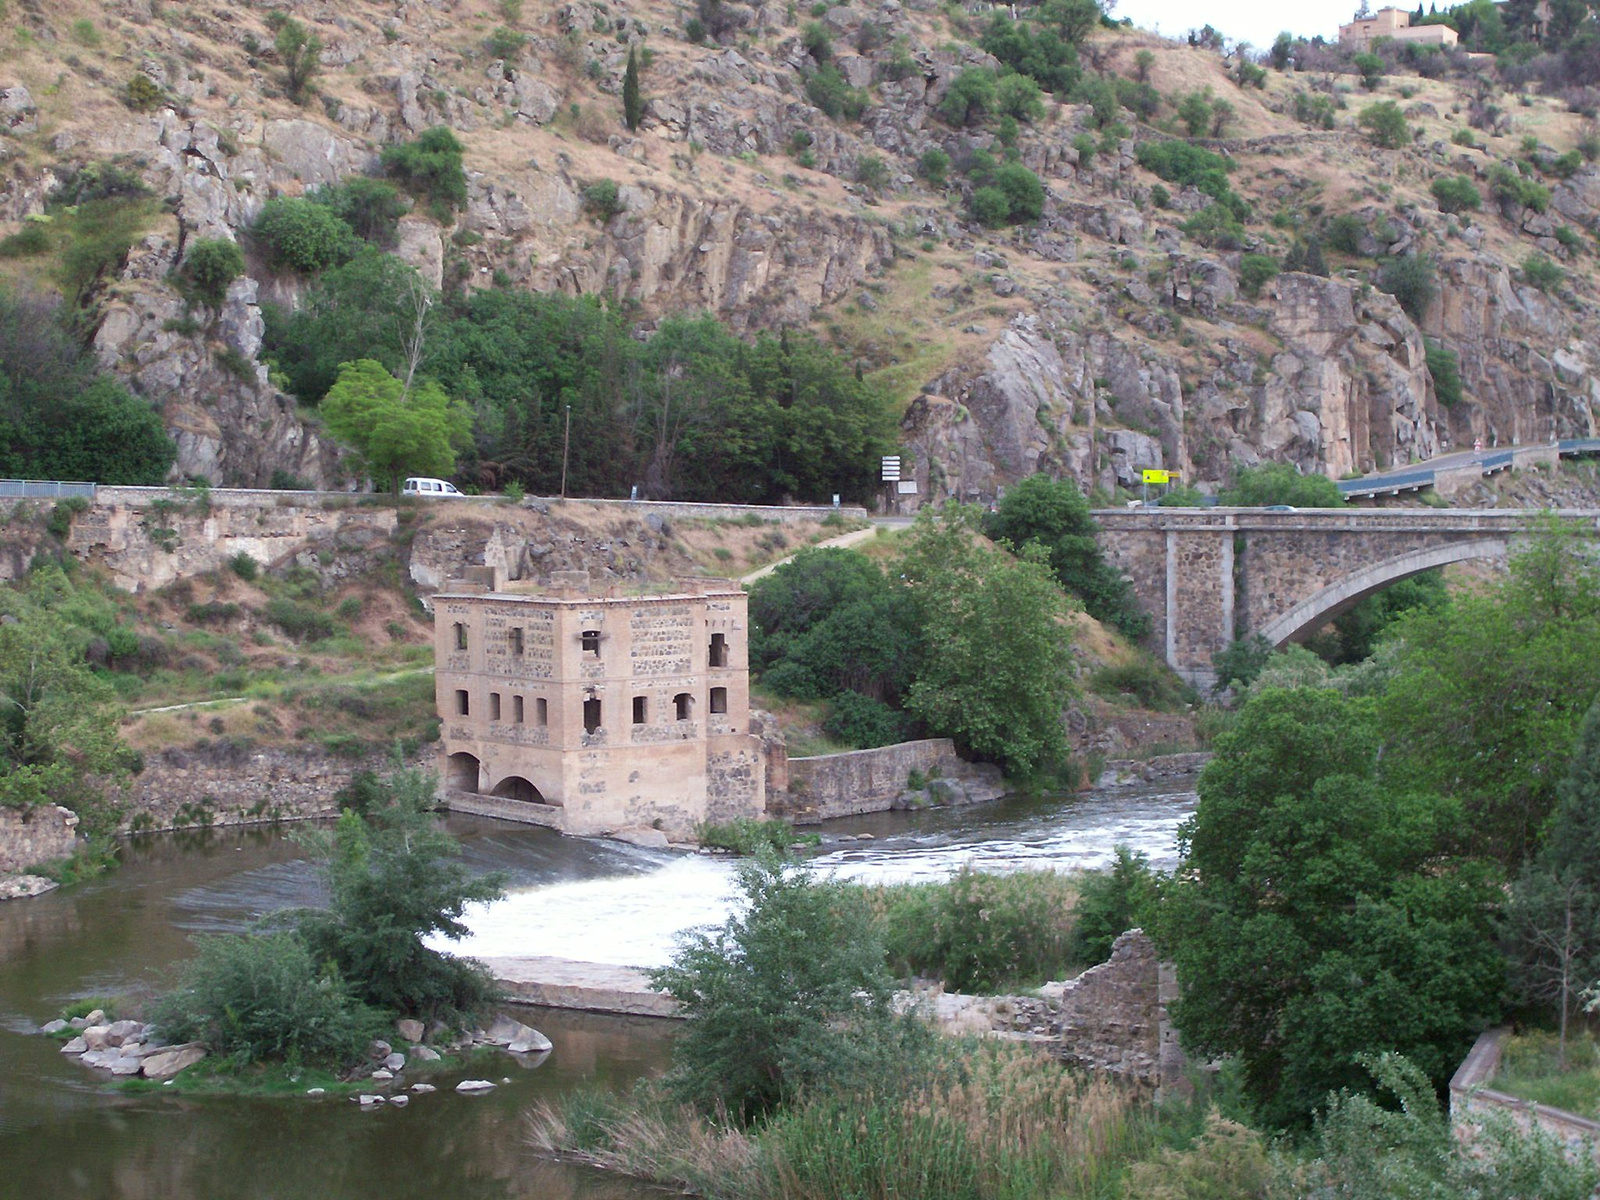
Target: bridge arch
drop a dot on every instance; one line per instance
(1310, 614)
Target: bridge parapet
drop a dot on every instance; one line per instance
(1208, 576)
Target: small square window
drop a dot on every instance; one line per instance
(591, 642)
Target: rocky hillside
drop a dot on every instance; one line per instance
(1112, 333)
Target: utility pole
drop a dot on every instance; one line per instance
(566, 441)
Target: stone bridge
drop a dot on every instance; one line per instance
(1208, 576)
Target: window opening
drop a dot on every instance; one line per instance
(641, 710)
(591, 642)
(541, 711)
(461, 636)
(516, 709)
(462, 709)
(591, 715)
(719, 650)
(494, 706)
(719, 700)
(516, 641)
(680, 706)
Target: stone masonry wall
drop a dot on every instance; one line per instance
(863, 781)
(1112, 1016)
(1472, 1095)
(37, 836)
(181, 788)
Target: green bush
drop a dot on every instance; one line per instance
(300, 621)
(505, 43)
(1410, 280)
(1445, 367)
(600, 200)
(1182, 163)
(28, 241)
(934, 166)
(1255, 271)
(210, 266)
(245, 567)
(979, 932)
(142, 94)
(1512, 190)
(1371, 68)
(371, 207)
(789, 994)
(749, 835)
(1386, 124)
(264, 997)
(1464, 137)
(863, 722)
(1456, 194)
(1314, 110)
(1085, 146)
(872, 172)
(694, 30)
(1023, 191)
(816, 41)
(1217, 227)
(298, 234)
(1019, 96)
(1241, 662)
(827, 89)
(431, 169)
(1273, 484)
(299, 50)
(970, 98)
(1151, 684)
(1542, 273)
(991, 207)
(1110, 903)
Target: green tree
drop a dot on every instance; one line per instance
(210, 266)
(996, 671)
(1456, 194)
(1072, 20)
(1023, 191)
(1273, 484)
(394, 432)
(1112, 902)
(1255, 272)
(394, 880)
(970, 98)
(1370, 67)
(1386, 124)
(1555, 911)
(431, 169)
(371, 207)
(790, 994)
(990, 207)
(298, 234)
(1195, 113)
(1409, 279)
(1492, 688)
(58, 723)
(1018, 96)
(1054, 514)
(298, 49)
(1313, 917)
(934, 166)
(632, 105)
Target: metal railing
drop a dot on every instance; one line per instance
(43, 489)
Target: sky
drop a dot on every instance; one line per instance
(1255, 21)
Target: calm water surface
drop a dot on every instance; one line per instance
(64, 1133)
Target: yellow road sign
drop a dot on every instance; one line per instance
(1154, 476)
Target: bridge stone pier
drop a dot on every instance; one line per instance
(1208, 576)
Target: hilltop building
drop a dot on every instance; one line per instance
(594, 714)
(1394, 23)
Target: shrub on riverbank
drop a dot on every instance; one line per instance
(978, 932)
(750, 835)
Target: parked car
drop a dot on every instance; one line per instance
(421, 485)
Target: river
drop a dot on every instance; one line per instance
(65, 1133)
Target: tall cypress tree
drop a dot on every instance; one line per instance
(631, 103)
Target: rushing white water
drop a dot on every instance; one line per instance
(633, 917)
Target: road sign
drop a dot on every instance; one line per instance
(891, 468)
(1152, 475)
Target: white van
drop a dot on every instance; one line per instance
(423, 486)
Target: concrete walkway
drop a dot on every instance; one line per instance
(567, 983)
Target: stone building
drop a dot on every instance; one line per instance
(1394, 23)
(596, 714)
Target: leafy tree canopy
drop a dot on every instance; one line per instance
(395, 432)
(1272, 484)
(1315, 918)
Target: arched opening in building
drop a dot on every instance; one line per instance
(515, 787)
(461, 773)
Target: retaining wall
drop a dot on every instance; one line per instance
(32, 837)
(1470, 1093)
(864, 781)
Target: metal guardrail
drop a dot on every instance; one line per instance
(43, 489)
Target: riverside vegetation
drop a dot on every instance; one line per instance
(1341, 934)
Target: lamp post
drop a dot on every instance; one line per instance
(566, 441)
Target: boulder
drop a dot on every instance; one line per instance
(399, 1101)
(395, 1062)
(172, 1060)
(98, 1037)
(126, 1064)
(119, 1032)
(379, 1050)
(473, 1086)
(382, 1076)
(99, 1058)
(55, 1026)
(422, 1089)
(424, 1054)
(76, 1046)
(370, 1101)
(515, 1036)
(409, 1031)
